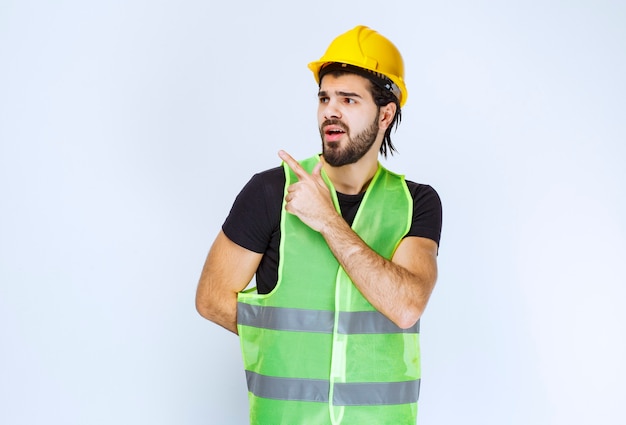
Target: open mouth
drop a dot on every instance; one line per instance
(333, 132)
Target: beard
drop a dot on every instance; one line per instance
(355, 147)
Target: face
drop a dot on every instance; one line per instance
(347, 118)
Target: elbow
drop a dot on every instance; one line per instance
(410, 314)
(408, 319)
(204, 306)
(202, 309)
(206, 302)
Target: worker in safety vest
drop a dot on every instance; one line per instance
(344, 253)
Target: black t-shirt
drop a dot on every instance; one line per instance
(254, 219)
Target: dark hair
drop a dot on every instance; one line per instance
(382, 97)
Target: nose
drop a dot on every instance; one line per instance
(331, 110)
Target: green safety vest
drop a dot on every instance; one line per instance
(315, 350)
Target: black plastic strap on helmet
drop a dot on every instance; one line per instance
(377, 78)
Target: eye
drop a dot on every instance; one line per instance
(349, 101)
(323, 99)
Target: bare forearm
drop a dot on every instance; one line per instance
(227, 271)
(399, 288)
(391, 288)
(223, 313)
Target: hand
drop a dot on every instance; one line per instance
(309, 199)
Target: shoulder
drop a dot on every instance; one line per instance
(423, 193)
(263, 187)
(272, 178)
(263, 190)
(427, 211)
(255, 214)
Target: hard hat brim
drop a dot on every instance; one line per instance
(316, 67)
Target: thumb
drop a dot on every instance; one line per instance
(317, 171)
(316, 174)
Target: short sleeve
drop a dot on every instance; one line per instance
(255, 214)
(427, 212)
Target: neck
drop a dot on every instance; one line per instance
(352, 179)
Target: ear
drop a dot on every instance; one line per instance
(387, 113)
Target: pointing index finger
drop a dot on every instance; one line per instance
(293, 164)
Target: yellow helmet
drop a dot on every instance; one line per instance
(365, 48)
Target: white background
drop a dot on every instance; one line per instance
(128, 127)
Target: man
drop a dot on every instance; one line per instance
(345, 257)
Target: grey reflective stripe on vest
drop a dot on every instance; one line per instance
(345, 394)
(293, 319)
(294, 389)
(370, 322)
(376, 393)
(285, 319)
